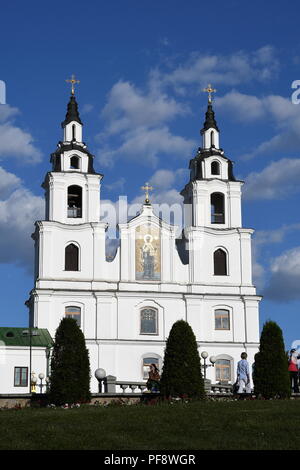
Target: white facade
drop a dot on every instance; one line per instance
(12, 357)
(220, 306)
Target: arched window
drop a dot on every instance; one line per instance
(223, 370)
(215, 168)
(220, 263)
(222, 319)
(147, 361)
(74, 162)
(74, 312)
(71, 258)
(212, 139)
(217, 208)
(73, 132)
(149, 321)
(75, 201)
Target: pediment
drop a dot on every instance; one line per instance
(147, 216)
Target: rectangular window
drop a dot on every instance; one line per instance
(222, 320)
(149, 321)
(75, 313)
(21, 377)
(222, 367)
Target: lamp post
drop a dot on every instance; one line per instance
(33, 381)
(212, 359)
(41, 377)
(100, 375)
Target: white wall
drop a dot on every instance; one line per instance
(11, 357)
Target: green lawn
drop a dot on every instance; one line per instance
(200, 425)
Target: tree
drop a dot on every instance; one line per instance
(270, 370)
(181, 375)
(70, 366)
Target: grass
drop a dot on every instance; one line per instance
(246, 425)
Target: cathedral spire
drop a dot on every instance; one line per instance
(210, 122)
(210, 130)
(72, 112)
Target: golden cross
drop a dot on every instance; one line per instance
(209, 90)
(147, 188)
(72, 80)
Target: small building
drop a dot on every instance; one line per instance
(23, 351)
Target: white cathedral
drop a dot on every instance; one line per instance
(127, 305)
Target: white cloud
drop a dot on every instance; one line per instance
(117, 185)
(262, 241)
(136, 125)
(273, 109)
(137, 119)
(87, 108)
(146, 145)
(265, 237)
(287, 263)
(17, 143)
(164, 179)
(169, 197)
(8, 182)
(250, 108)
(7, 112)
(129, 107)
(241, 106)
(239, 67)
(258, 274)
(17, 216)
(14, 141)
(277, 181)
(285, 279)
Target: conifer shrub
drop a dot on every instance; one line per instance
(270, 369)
(70, 366)
(181, 375)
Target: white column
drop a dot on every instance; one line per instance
(99, 258)
(246, 261)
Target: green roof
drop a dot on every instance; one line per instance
(21, 336)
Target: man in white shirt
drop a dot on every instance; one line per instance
(243, 374)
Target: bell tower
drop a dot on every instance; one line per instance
(70, 242)
(212, 197)
(213, 218)
(72, 187)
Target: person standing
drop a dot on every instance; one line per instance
(154, 377)
(293, 370)
(243, 374)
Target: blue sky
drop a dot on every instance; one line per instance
(142, 67)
